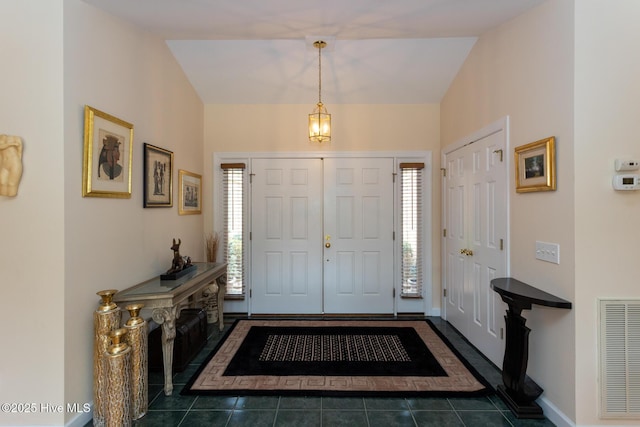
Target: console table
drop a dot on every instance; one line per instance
(166, 298)
(519, 391)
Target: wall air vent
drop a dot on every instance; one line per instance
(620, 359)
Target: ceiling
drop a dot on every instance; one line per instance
(261, 51)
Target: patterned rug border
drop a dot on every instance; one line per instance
(476, 386)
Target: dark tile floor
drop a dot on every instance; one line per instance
(276, 411)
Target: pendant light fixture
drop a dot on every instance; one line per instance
(320, 119)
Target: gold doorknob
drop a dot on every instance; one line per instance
(327, 245)
(467, 252)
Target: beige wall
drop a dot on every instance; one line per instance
(116, 243)
(32, 223)
(607, 222)
(524, 70)
(283, 128)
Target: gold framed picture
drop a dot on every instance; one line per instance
(536, 166)
(108, 149)
(158, 177)
(190, 194)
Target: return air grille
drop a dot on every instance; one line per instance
(620, 358)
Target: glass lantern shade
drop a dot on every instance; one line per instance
(320, 124)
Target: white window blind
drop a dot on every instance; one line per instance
(233, 181)
(411, 178)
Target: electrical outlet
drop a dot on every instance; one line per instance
(549, 252)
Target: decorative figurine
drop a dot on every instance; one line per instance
(179, 264)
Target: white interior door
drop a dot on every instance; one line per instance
(476, 253)
(358, 224)
(286, 236)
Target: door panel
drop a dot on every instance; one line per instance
(358, 220)
(455, 242)
(286, 239)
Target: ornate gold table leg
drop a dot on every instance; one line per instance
(222, 289)
(166, 318)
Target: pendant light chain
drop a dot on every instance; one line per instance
(320, 72)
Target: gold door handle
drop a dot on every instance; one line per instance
(467, 252)
(327, 245)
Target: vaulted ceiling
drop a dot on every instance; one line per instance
(261, 51)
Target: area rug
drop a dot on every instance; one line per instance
(336, 358)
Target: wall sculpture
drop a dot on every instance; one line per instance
(10, 164)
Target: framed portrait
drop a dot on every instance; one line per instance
(158, 177)
(108, 149)
(190, 193)
(536, 166)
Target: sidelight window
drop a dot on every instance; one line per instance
(234, 208)
(411, 178)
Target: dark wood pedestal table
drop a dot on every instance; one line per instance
(519, 391)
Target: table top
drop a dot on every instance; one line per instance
(157, 288)
(520, 291)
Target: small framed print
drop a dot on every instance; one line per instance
(158, 177)
(190, 193)
(536, 166)
(108, 149)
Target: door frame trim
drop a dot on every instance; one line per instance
(424, 305)
(501, 124)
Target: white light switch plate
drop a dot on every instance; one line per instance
(549, 252)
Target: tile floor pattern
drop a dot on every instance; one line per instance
(280, 411)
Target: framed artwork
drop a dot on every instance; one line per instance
(158, 177)
(108, 149)
(536, 166)
(190, 193)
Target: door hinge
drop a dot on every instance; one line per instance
(394, 293)
(444, 233)
(394, 176)
(251, 235)
(502, 244)
(444, 292)
(444, 172)
(499, 152)
(251, 175)
(501, 333)
(250, 293)
(394, 235)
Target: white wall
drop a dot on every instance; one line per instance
(116, 243)
(524, 70)
(32, 223)
(607, 120)
(355, 127)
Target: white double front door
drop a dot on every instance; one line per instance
(322, 235)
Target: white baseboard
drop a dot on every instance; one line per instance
(81, 420)
(554, 414)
